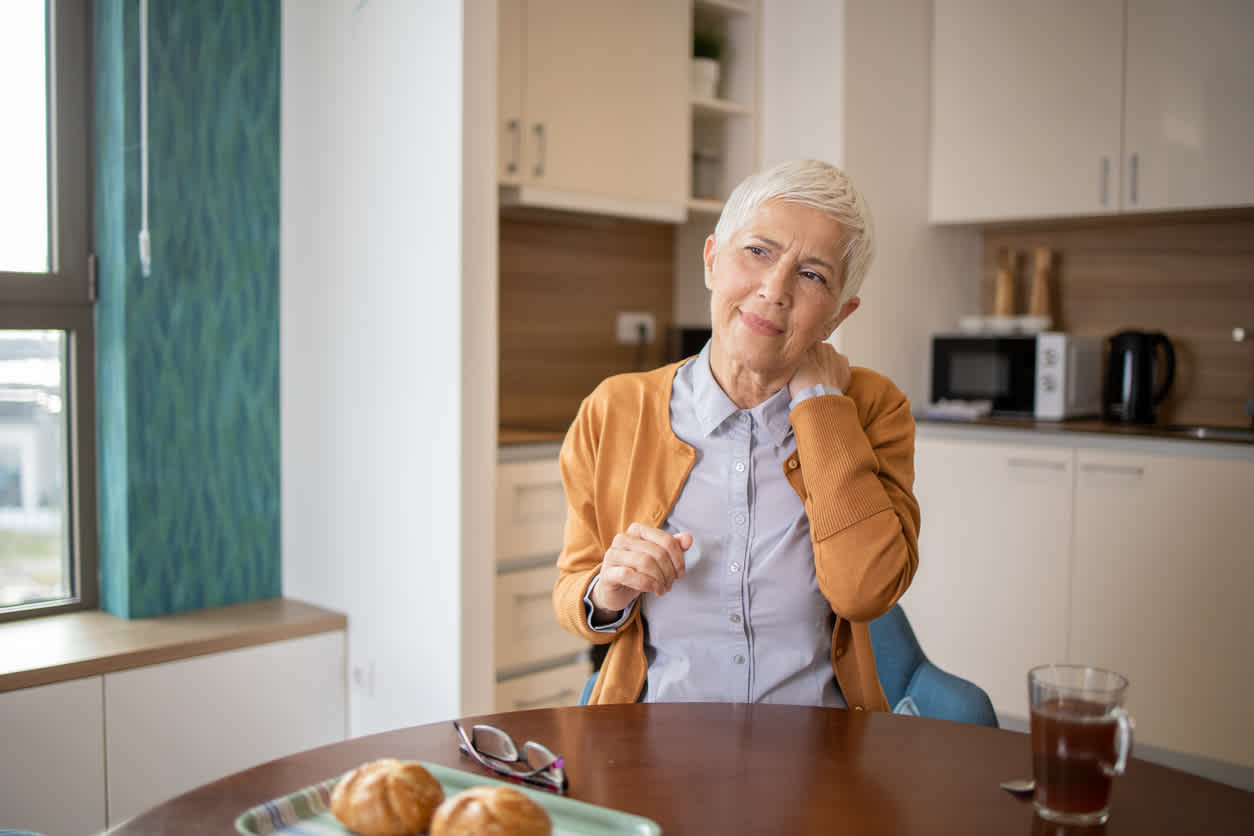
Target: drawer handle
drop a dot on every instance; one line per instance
(1115, 469)
(564, 694)
(528, 597)
(1038, 464)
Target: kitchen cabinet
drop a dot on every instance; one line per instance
(52, 776)
(538, 664)
(1161, 588)
(177, 725)
(593, 114)
(989, 599)
(87, 753)
(1129, 555)
(1089, 107)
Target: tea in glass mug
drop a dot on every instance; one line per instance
(1081, 738)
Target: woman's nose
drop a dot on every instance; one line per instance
(776, 285)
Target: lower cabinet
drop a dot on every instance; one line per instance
(52, 777)
(1162, 591)
(538, 664)
(88, 753)
(1127, 559)
(989, 600)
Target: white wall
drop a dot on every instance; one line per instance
(388, 379)
(923, 277)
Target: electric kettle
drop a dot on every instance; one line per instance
(1139, 370)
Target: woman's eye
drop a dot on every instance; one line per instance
(755, 250)
(813, 276)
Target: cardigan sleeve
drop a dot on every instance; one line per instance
(854, 470)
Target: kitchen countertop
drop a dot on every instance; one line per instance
(1082, 425)
(56, 648)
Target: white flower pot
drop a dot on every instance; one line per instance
(703, 78)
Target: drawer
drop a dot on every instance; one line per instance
(527, 632)
(545, 689)
(530, 509)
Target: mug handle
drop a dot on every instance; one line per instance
(1123, 742)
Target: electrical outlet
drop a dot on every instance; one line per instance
(363, 679)
(629, 325)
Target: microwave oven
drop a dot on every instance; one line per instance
(1048, 376)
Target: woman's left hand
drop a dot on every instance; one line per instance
(821, 364)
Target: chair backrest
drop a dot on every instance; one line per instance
(905, 671)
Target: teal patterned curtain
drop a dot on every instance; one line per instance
(188, 368)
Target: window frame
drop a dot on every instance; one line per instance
(64, 298)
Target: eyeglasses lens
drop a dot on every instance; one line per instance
(537, 755)
(494, 743)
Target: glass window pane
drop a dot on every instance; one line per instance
(34, 546)
(24, 139)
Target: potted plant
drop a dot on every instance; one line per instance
(707, 49)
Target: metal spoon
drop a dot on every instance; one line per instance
(1019, 786)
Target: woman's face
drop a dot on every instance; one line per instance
(775, 287)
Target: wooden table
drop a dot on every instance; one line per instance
(706, 768)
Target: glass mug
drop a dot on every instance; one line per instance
(1081, 738)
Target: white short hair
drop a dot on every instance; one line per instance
(812, 183)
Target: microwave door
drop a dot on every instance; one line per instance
(1002, 371)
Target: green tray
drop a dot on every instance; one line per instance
(307, 812)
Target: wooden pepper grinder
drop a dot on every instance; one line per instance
(1004, 296)
(1039, 303)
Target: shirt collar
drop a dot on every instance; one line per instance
(713, 407)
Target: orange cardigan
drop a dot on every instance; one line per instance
(853, 469)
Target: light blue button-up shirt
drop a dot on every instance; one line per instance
(747, 622)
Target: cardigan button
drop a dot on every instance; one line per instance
(793, 464)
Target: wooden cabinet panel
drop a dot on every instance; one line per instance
(1161, 593)
(178, 725)
(52, 777)
(530, 509)
(547, 689)
(989, 600)
(527, 631)
(1026, 103)
(1189, 121)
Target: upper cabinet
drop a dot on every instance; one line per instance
(1089, 107)
(592, 106)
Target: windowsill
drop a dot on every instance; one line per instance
(41, 651)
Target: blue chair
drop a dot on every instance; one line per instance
(912, 683)
(907, 673)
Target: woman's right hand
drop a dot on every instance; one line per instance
(641, 559)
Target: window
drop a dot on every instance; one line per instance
(47, 365)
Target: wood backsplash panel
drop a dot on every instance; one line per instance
(563, 280)
(1189, 276)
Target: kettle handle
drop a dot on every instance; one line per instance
(1161, 339)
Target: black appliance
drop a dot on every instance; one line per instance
(686, 340)
(1140, 368)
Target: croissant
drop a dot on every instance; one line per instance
(387, 797)
(501, 811)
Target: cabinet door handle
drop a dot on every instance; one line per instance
(528, 597)
(513, 127)
(1103, 182)
(540, 149)
(1115, 469)
(1133, 164)
(1038, 464)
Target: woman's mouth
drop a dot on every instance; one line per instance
(758, 325)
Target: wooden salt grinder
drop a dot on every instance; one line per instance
(1039, 303)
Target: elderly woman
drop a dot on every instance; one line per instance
(736, 519)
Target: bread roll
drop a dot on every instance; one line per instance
(387, 797)
(500, 811)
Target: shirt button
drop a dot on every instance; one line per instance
(735, 567)
(740, 519)
(735, 619)
(739, 660)
(740, 467)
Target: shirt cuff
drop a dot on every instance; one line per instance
(590, 608)
(814, 391)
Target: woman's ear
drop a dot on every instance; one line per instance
(708, 256)
(841, 315)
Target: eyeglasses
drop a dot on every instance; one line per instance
(496, 750)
